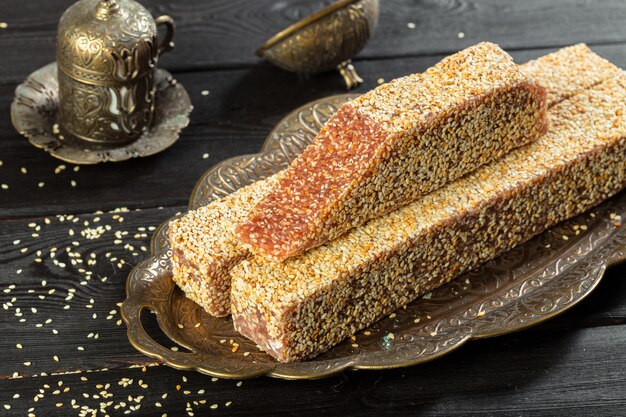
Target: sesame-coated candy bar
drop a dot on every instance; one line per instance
(203, 240)
(204, 248)
(555, 71)
(395, 143)
(301, 307)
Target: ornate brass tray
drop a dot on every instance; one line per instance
(524, 287)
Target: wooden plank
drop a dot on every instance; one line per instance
(225, 33)
(82, 262)
(579, 373)
(61, 280)
(241, 109)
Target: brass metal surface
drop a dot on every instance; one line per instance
(524, 287)
(325, 40)
(107, 54)
(34, 113)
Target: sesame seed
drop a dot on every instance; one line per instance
(411, 25)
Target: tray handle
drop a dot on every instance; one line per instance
(143, 342)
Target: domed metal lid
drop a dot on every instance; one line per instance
(106, 41)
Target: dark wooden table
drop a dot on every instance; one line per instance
(64, 348)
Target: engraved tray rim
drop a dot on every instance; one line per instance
(608, 249)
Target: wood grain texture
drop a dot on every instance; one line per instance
(225, 33)
(240, 110)
(60, 289)
(82, 261)
(570, 365)
(578, 373)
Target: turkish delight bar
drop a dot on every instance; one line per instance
(395, 143)
(204, 248)
(203, 241)
(301, 307)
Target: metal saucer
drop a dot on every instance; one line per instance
(34, 115)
